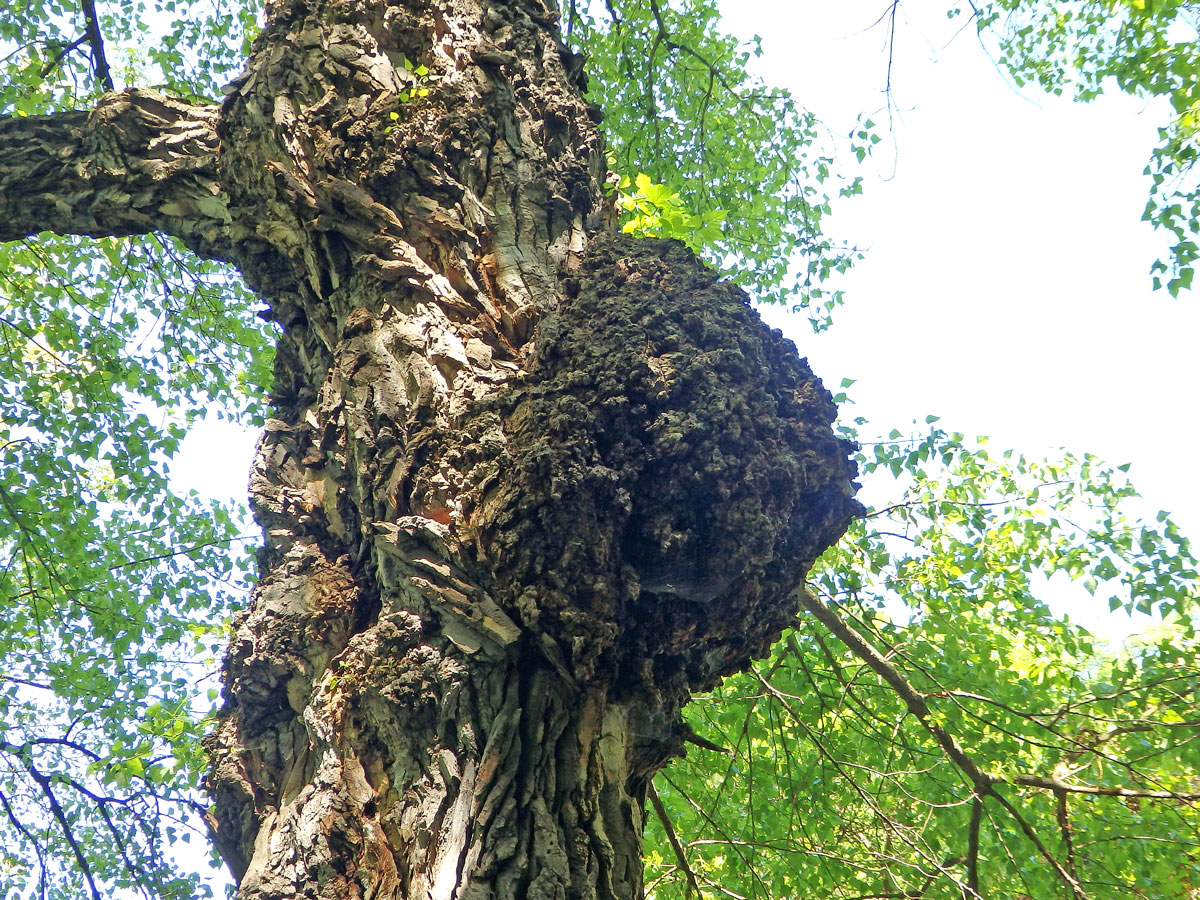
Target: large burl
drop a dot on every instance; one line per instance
(670, 474)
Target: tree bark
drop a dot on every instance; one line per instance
(138, 162)
(529, 484)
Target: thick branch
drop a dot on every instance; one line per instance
(973, 847)
(139, 162)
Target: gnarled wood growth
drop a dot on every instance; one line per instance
(529, 484)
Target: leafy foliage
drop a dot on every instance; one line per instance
(112, 582)
(48, 63)
(112, 587)
(1147, 48)
(835, 787)
(653, 211)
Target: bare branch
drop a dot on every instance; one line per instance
(983, 782)
(973, 849)
(673, 840)
(1057, 785)
(1062, 815)
(64, 823)
(17, 824)
(96, 44)
(913, 699)
(62, 53)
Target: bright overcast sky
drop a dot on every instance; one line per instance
(1006, 282)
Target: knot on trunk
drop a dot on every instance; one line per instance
(670, 476)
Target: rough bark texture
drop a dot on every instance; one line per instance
(138, 162)
(529, 484)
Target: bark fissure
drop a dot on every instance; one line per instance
(528, 486)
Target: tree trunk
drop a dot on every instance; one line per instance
(528, 486)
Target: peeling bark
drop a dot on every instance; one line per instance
(528, 486)
(138, 162)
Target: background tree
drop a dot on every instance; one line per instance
(893, 824)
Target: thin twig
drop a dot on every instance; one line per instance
(673, 840)
(96, 43)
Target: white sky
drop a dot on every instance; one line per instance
(1006, 284)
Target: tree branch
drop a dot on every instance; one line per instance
(64, 823)
(913, 699)
(1057, 785)
(17, 824)
(673, 840)
(973, 847)
(96, 44)
(138, 162)
(63, 50)
(983, 782)
(1062, 815)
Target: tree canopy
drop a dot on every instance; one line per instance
(929, 729)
